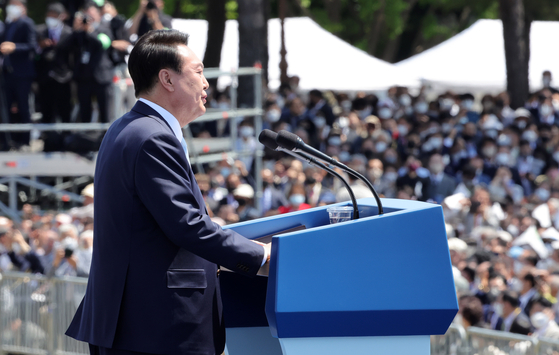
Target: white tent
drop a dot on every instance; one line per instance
(320, 59)
(475, 58)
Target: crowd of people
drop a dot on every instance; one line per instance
(494, 169)
(52, 244)
(69, 61)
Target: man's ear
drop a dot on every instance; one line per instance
(165, 79)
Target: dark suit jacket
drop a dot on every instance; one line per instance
(153, 285)
(22, 33)
(91, 61)
(438, 191)
(53, 62)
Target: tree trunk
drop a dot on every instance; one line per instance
(375, 30)
(517, 50)
(333, 9)
(253, 45)
(215, 14)
(391, 48)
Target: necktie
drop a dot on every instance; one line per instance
(184, 147)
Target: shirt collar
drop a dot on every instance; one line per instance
(167, 116)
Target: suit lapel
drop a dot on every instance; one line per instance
(145, 110)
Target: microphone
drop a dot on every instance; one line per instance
(268, 139)
(294, 143)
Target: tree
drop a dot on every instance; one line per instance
(253, 45)
(215, 15)
(516, 34)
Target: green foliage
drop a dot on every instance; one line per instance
(231, 10)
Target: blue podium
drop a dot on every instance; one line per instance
(376, 285)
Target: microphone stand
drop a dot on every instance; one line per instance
(320, 165)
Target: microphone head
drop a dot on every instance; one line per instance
(268, 139)
(288, 140)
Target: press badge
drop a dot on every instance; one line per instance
(85, 57)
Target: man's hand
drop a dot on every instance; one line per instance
(120, 45)
(265, 269)
(44, 43)
(7, 47)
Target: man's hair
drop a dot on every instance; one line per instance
(544, 302)
(511, 297)
(154, 51)
(472, 309)
(56, 7)
(530, 278)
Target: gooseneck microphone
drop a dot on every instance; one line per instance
(294, 143)
(268, 139)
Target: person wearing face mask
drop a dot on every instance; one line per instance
(547, 79)
(246, 143)
(546, 112)
(296, 199)
(89, 45)
(439, 184)
(244, 194)
(84, 253)
(17, 45)
(53, 66)
(513, 319)
(317, 103)
(543, 319)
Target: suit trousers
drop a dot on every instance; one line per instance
(98, 350)
(55, 99)
(17, 91)
(86, 91)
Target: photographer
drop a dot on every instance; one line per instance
(65, 261)
(93, 69)
(149, 16)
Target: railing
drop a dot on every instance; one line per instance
(480, 341)
(35, 312)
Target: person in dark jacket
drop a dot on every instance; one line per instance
(17, 45)
(53, 66)
(93, 68)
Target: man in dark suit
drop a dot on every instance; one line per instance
(93, 69)
(149, 16)
(153, 286)
(272, 197)
(439, 184)
(53, 71)
(512, 318)
(17, 45)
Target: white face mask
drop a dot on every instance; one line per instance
(385, 113)
(273, 115)
(467, 104)
(405, 100)
(297, 199)
(542, 194)
(421, 107)
(539, 320)
(52, 23)
(530, 136)
(402, 129)
(13, 12)
(546, 110)
(391, 176)
(246, 131)
(502, 159)
(319, 122)
(381, 146)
